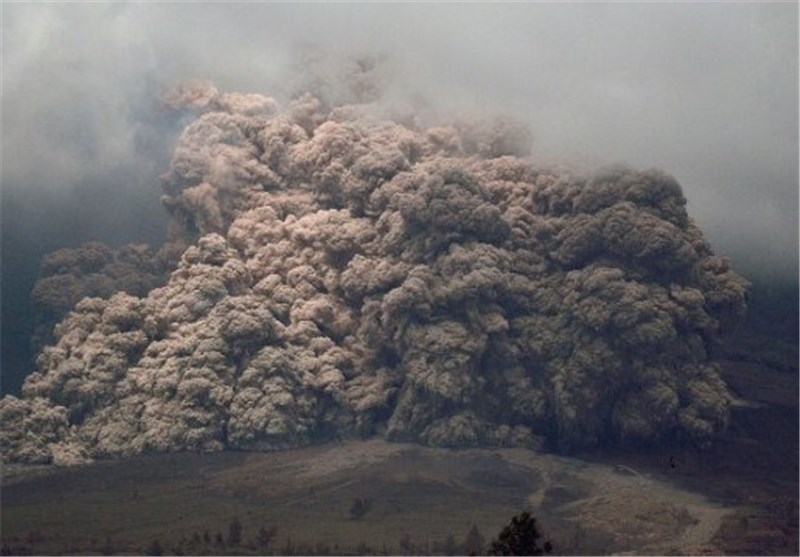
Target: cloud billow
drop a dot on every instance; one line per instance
(347, 272)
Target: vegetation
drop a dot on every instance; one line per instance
(473, 545)
(155, 548)
(359, 508)
(265, 536)
(238, 543)
(235, 532)
(520, 537)
(418, 501)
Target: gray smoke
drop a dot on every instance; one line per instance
(349, 270)
(706, 90)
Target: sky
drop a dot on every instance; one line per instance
(706, 91)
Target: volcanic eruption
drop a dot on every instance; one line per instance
(340, 271)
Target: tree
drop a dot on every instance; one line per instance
(405, 544)
(155, 548)
(520, 537)
(235, 532)
(359, 508)
(108, 547)
(265, 536)
(473, 545)
(450, 547)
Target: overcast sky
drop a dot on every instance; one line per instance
(707, 92)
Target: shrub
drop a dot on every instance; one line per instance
(520, 537)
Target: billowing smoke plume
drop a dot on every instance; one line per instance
(91, 270)
(348, 274)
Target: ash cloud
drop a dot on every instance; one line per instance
(345, 274)
(708, 92)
